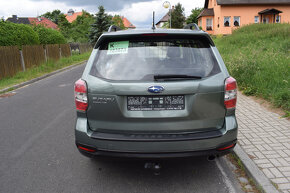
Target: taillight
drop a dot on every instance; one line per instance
(230, 93)
(81, 97)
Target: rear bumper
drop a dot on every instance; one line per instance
(97, 153)
(156, 148)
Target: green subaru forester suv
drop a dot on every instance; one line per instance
(155, 93)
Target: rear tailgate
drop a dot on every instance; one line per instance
(124, 69)
(203, 106)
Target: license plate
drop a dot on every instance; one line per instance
(155, 103)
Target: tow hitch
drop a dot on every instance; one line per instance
(155, 167)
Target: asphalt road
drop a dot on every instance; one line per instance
(38, 152)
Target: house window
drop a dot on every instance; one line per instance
(208, 24)
(256, 19)
(200, 23)
(278, 19)
(237, 21)
(227, 21)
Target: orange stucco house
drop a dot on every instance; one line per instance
(224, 16)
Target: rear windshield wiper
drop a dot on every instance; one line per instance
(175, 77)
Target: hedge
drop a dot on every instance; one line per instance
(12, 34)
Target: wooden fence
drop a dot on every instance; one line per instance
(33, 55)
(81, 48)
(13, 59)
(65, 50)
(10, 62)
(53, 51)
(85, 48)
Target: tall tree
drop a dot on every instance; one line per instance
(118, 21)
(64, 26)
(59, 18)
(178, 18)
(53, 16)
(101, 24)
(192, 18)
(81, 27)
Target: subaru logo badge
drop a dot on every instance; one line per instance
(156, 89)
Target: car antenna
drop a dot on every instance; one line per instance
(153, 23)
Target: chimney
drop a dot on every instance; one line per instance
(14, 17)
(70, 12)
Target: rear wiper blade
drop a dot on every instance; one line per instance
(175, 77)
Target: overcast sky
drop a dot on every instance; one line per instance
(139, 12)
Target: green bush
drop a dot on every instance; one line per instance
(49, 36)
(79, 28)
(258, 57)
(12, 34)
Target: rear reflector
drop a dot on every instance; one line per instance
(81, 98)
(230, 93)
(227, 147)
(86, 149)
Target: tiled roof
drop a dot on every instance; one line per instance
(206, 12)
(165, 18)
(271, 11)
(239, 2)
(43, 21)
(33, 20)
(20, 20)
(247, 2)
(71, 18)
(127, 23)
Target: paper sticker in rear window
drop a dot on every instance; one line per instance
(118, 47)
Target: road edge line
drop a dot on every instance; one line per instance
(2, 91)
(254, 172)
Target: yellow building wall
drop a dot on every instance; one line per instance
(246, 13)
(203, 23)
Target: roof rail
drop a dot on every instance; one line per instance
(114, 28)
(192, 26)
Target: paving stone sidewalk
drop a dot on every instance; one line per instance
(265, 137)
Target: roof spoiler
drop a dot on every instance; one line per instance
(114, 28)
(192, 26)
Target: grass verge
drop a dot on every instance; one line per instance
(43, 69)
(258, 56)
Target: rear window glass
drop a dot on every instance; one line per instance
(141, 59)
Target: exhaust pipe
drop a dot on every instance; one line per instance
(211, 157)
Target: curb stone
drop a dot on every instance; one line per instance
(254, 172)
(39, 78)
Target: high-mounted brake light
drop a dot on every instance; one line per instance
(230, 93)
(155, 34)
(81, 98)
